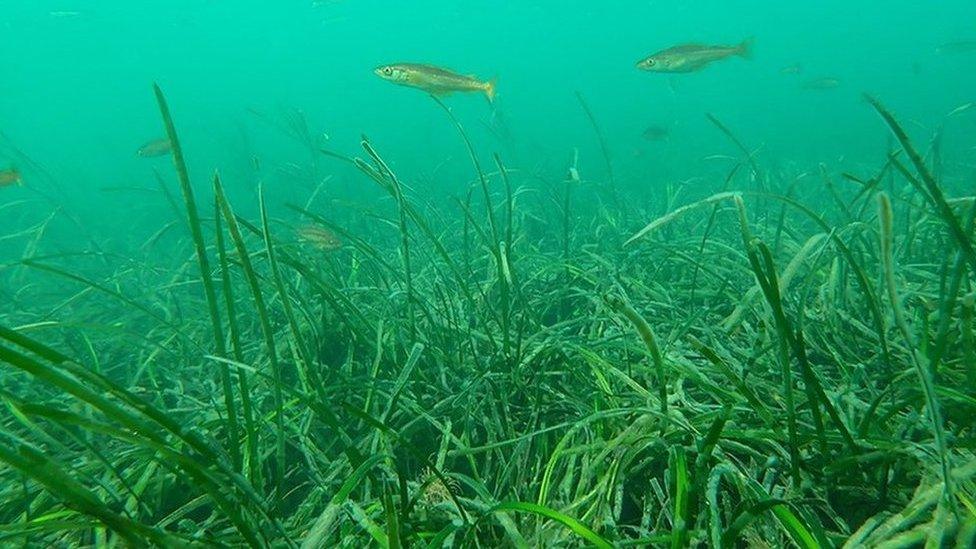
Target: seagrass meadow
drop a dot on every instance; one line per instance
(446, 324)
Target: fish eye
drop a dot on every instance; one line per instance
(649, 62)
(388, 70)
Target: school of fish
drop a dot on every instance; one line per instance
(439, 81)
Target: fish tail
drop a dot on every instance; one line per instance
(490, 90)
(745, 48)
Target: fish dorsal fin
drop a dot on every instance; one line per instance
(689, 47)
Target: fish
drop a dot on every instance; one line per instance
(434, 80)
(795, 68)
(656, 133)
(692, 57)
(10, 176)
(825, 83)
(963, 46)
(320, 237)
(154, 148)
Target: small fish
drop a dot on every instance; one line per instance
(10, 177)
(434, 80)
(795, 68)
(320, 237)
(692, 57)
(930, 304)
(963, 46)
(825, 83)
(656, 133)
(154, 148)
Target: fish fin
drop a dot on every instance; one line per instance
(490, 90)
(745, 48)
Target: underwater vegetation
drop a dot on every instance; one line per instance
(550, 367)
(761, 356)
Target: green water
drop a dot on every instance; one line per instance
(612, 307)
